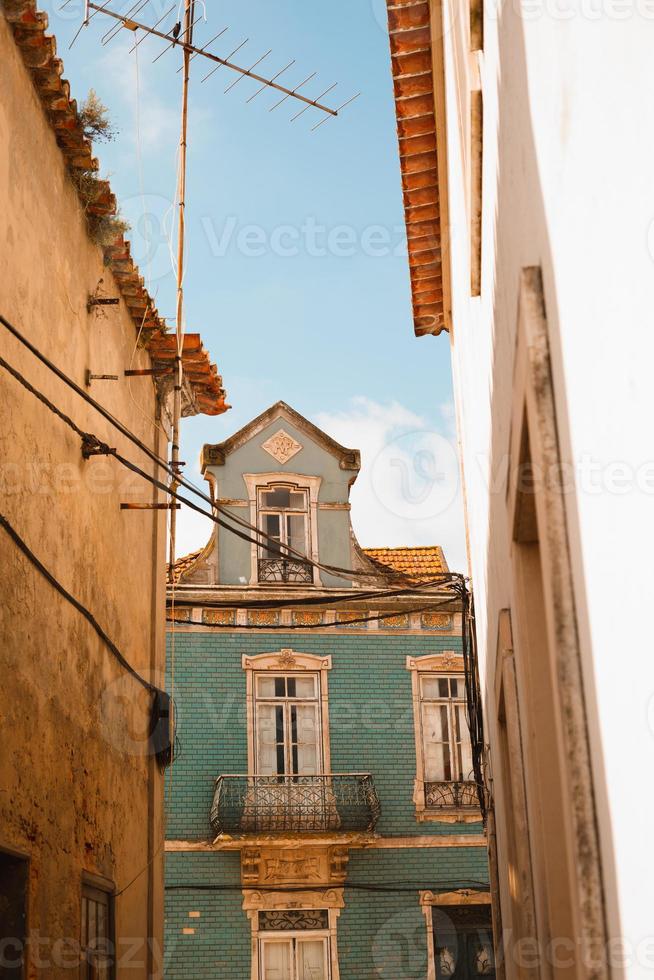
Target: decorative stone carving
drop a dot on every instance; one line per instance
(307, 864)
(281, 446)
(338, 858)
(287, 659)
(250, 865)
(292, 868)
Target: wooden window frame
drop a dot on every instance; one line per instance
(255, 482)
(255, 901)
(286, 702)
(429, 900)
(287, 662)
(101, 892)
(447, 662)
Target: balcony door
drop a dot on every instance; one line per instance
(288, 732)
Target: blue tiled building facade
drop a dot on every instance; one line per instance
(323, 819)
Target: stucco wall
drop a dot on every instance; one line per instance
(79, 792)
(567, 187)
(334, 545)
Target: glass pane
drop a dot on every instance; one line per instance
(436, 687)
(277, 961)
(295, 533)
(280, 687)
(436, 742)
(305, 687)
(266, 740)
(458, 687)
(278, 497)
(429, 687)
(92, 924)
(265, 687)
(271, 525)
(311, 956)
(298, 501)
(307, 739)
(85, 912)
(464, 739)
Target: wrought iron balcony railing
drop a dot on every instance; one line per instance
(458, 795)
(284, 570)
(250, 804)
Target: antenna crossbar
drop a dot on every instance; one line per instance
(193, 49)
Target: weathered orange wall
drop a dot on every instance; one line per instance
(78, 790)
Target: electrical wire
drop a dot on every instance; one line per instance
(399, 887)
(335, 570)
(275, 603)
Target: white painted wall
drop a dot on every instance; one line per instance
(569, 185)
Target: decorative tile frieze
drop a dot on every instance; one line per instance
(263, 617)
(178, 615)
(281, 446)
(306, 617)
(348, 620)
(221, 617)
(436, 621)
(399, 622)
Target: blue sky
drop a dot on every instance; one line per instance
(296, 272)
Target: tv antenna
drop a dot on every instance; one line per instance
(179, 35)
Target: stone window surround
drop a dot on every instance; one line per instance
(443, 662)
(287, 661)
(427, 902)
(255, 901)
(258, 481)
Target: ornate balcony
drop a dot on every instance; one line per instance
(454, 796)
(284, 570)
(279, 804)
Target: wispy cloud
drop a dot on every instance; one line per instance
(408, 491)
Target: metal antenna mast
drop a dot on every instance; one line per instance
(181, 36)
(181, 227)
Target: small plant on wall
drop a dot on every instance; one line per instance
(104, 227)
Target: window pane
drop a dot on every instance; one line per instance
(295, 533)
(298, 501)
(266, 740)
(435, 728)
(265, 687)
(463, 738)
(429, 687)
(271, 525)
(458, 687)
(278, 497)
(277, 961)
(305, 687)
(307, 739)
(311, 956)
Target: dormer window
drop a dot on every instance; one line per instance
(283, 515)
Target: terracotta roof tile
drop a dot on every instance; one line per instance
(413, 84)
(39, 54)
(183, 564)
(419, 564)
